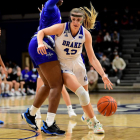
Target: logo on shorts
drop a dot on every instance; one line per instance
(85, 78)
(49, 55)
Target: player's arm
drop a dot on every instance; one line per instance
(2, 64)
(50, 4)
(56, 29)
(94, 61)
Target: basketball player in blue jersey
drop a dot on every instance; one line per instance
(69, 40)
(5, 71)
(65, 94)
(49, 70)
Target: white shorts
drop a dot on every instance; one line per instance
(75, 67)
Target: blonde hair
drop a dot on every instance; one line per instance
(88, 15)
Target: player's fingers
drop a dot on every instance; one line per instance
(108, 87)
(39, 9)
(38, 51)
(41, 52)
(111, 83)
(42, 6)
(44, 50)
(104, 85)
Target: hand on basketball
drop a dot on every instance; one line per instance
(42, 49)
(107, 82)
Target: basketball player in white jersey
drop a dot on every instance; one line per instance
(69, 40)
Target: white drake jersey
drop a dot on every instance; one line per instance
(67, 46)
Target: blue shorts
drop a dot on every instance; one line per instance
(38, 59)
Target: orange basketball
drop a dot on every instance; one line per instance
(107, 106)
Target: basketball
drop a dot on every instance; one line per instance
(107, 106)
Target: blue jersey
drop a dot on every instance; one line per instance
(50, 15)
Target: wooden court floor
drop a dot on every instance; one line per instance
(123, 125)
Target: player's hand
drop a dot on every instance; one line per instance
(40, 10)
(107, 82)
(42, 49)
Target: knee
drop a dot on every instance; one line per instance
(83, 96)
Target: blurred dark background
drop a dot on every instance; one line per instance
(117, 31)
(24, 7)
(19, 20)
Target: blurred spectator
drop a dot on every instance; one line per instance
(107, 37)
(104, 16)
(138, 19)
(99, 37)
(98, 42)
(92, 78)
(132, 24)
(99, 55)
(14, 66)
(19, 79)
(126, 11)
(107, 44)
(115, 37)
(7, 65)
(115, 25)
(12, 82)
(105, 62)
(116, 16)
(33, 80)
(118, 66)
(124, 22)
(26, 75)
(105, 28)
(4, 85)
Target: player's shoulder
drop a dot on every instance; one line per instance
(86, 32)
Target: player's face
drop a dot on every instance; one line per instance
(60, 2)
(76, 21)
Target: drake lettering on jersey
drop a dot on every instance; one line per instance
(72, 44)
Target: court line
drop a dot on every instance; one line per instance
(108, 126)
(22, 138)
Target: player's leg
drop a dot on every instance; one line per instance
(90, 122)
(65, 96)
(39, 84)
(55, 82)
(50, 73)
(29, 115)
(72, 83)
(67, 100)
